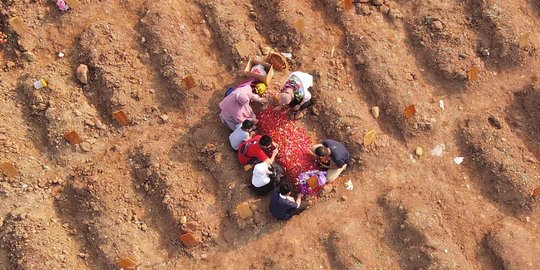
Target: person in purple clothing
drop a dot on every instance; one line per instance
(334, 155)
(282, 205)
(236, 107)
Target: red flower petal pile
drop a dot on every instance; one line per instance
(293, 143)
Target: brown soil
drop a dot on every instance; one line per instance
(502, 241)
(130, 191)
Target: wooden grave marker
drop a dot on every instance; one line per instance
(189, 82)
(121, 118)
(313, 182)
(18, 25)
(127, 264)
(347, 4)
(243, 48)
(300, 25)
(524, 40)
(73, 3)
(243, 210)
(72, 137)
(8, 169)
(472, 74)
(536, 192)
(188, 240)
(369, 137)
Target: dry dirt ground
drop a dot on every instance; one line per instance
(130, 191)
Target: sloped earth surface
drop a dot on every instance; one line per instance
(131, 191)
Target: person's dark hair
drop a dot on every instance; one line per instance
(265, 141)
(247, 125)
(285, 188)
(322, 151)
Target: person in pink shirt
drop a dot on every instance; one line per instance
(235, 108)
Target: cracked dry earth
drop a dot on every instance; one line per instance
(129, 191)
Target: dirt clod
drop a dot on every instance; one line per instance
(29, 56)
(376, 3)
(82, 73)
(437, 25)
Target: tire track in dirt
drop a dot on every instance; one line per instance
(237, 40)
(442, 38)
(334, 89)
(34, 239)
(510, 39)
(48, 112)
(421, 237)
(387, 70)
(506, 178)
(118, 80)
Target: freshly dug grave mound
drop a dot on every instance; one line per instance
(293, 143)
(531, 103)
(497, 153)
(420, 235)
(514, 247)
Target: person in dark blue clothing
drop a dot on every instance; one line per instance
(333, 156)
(282, 205)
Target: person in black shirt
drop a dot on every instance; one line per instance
(282, 205)
(333, 156)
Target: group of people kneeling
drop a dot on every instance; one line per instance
(237, 115)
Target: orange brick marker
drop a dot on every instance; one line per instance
(189, 82)
(121, 118)
(72, 137)
(410, 111)
(347, 4)
(472, 74)
(8, 169)
(188, 240)
(243, 210)
(369, 137)
(127, 264)
(313, 182)
(536, 192)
